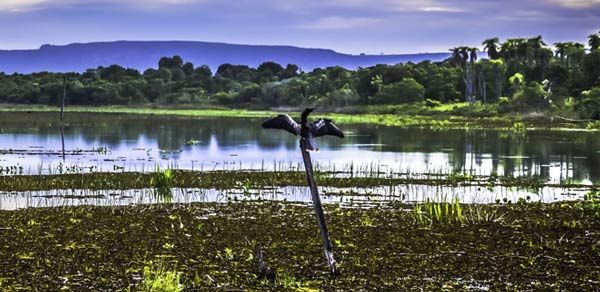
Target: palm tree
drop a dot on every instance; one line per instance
(464, 58)
(513, 50)
(472, 54)
(561, 50)
(457, 56)
(570, 52)
(491, 46)
(594, 42)
(534, 48)
(538, 54)
(575, 53)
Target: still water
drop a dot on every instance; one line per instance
(32, 144)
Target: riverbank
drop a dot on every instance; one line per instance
(447, 116)
(212, 246)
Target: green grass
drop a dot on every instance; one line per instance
(443, 116)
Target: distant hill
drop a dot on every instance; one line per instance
(142, 55)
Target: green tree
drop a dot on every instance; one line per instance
(170, 63)
(405, 91)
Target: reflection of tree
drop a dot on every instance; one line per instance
(574, 150)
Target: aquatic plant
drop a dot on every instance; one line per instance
(591, 202)
(430, 212)
(172, 178)
(594, 125)
(162, 179)
(162, 182)
(157, 278)
(518, 128)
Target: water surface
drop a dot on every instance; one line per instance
(31, 144)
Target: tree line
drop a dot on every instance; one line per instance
(520, 74)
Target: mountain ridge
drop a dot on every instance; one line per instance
(141, 55)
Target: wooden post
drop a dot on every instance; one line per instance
(62, 139)
(62, 105)
(318, 207)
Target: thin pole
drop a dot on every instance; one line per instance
(318, 207)
(62, 139)
(62, 105)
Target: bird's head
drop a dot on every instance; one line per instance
(305, 114)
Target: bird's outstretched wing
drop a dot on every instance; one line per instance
(283, 122)
(324, 127)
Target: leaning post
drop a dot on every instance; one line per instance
(321, 127)
(328, 247)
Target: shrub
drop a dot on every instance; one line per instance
(407, 90)
(531, 96)
(588, 104)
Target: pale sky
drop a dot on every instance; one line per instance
(348, 26)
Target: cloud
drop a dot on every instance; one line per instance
(440, 9)
(578, 3)
(27, 5)
(337, 22)
(18, 5)
(401, 5)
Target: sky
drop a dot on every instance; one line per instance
(347, 26)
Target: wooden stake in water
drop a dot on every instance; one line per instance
(318, 207)
(62, 105)
(62, 139)
(62, 116)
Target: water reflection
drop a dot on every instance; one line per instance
(139, 143)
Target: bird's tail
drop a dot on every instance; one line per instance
(310, 144)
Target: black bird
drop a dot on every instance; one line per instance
(318, 128)
(264, 272)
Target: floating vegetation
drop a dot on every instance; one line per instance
(11, 170)
(170, 178)
(210, 246)
(192, 142)
(34, 151)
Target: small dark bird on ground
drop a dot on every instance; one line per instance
(264, 272)
(318, 128)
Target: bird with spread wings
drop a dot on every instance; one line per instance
(318, 128)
